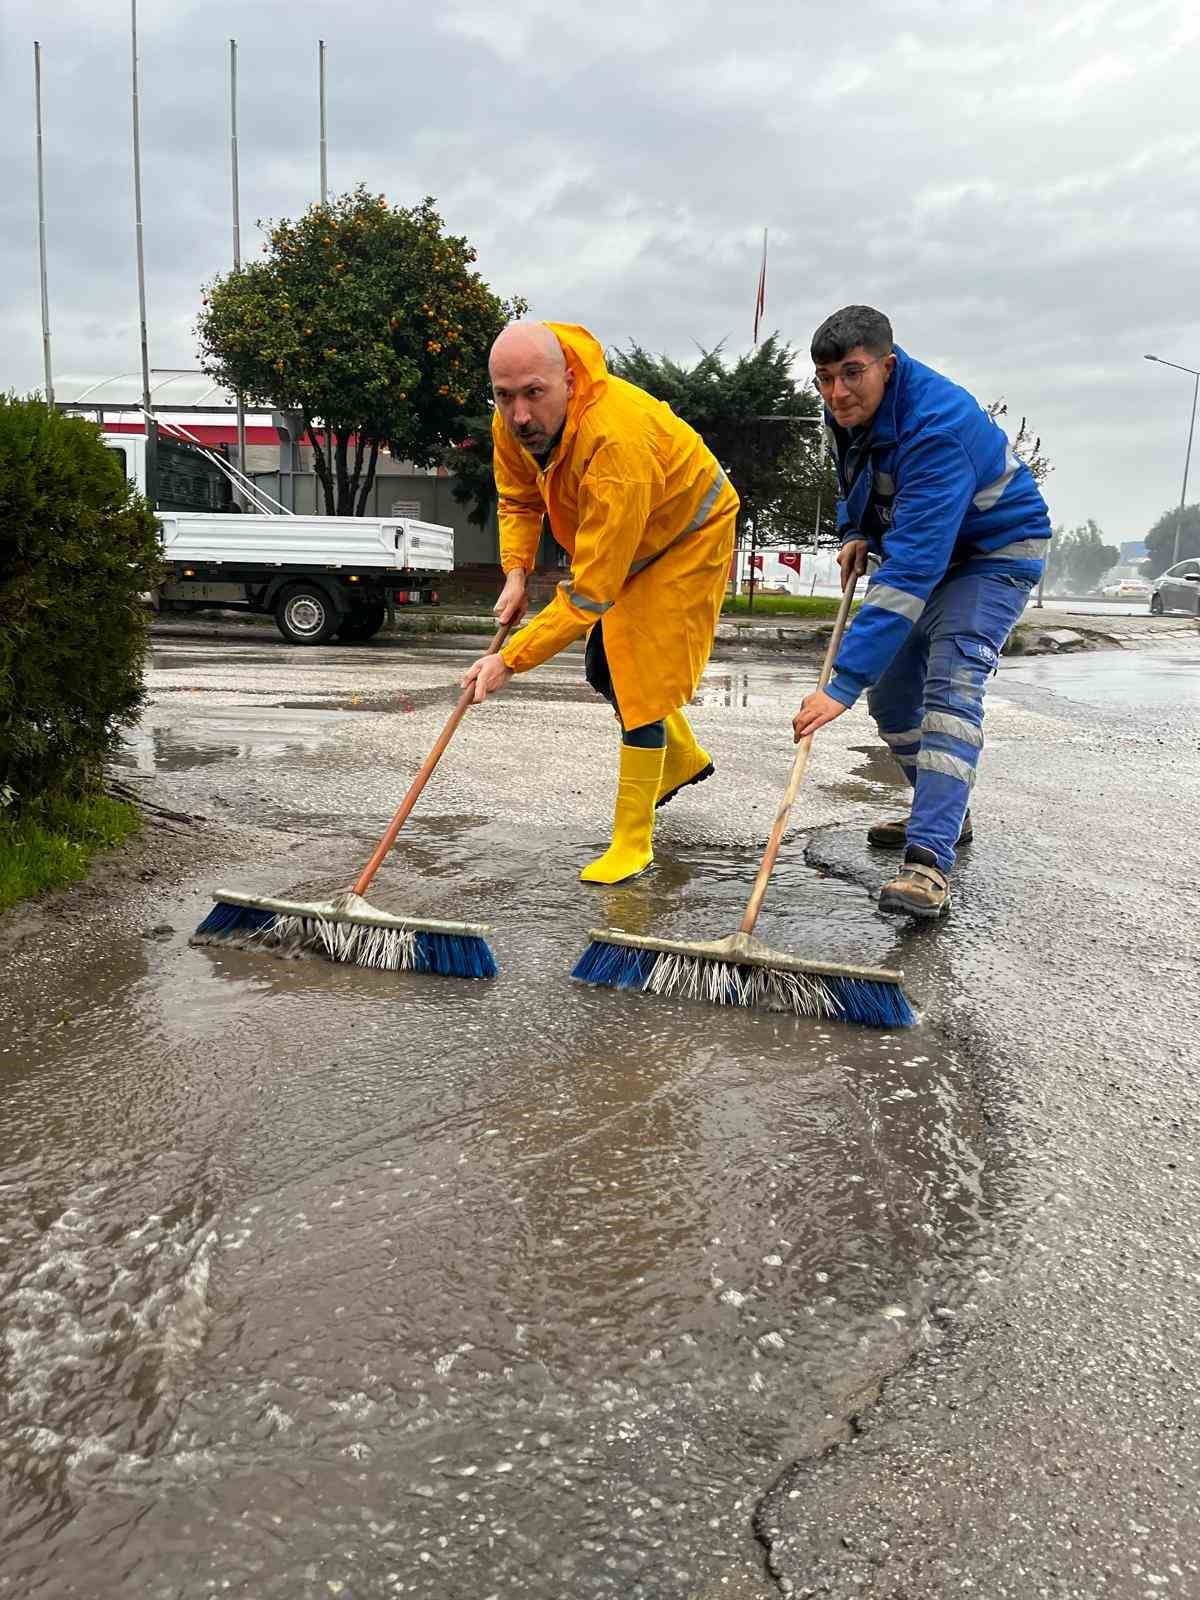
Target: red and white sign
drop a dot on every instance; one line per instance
(789, 558)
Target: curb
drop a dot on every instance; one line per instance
(1028, 637)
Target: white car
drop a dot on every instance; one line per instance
(1127, 589)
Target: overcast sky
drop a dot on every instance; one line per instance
(1016, 184)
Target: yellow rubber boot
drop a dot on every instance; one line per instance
(633, 825)
(687, 762)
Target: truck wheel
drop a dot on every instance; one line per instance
(304, 614)
(363, 623)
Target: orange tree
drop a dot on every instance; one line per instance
(366, 318)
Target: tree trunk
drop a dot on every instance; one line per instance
(356, 469)
(753, 568)
(368, 479)
(345, 501)
(320, 466)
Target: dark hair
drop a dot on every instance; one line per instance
(848, 328)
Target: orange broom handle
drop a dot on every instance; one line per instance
(754, 904)
(422, 777)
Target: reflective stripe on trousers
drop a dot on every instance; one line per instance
(928, 705)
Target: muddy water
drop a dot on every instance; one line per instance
(324, 1282)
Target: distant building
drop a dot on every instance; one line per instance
(1134, 550)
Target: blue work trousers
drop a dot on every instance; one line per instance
(928, 705)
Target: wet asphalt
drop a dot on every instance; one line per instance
(318, 1281)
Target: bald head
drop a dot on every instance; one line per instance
(528, 344)
(531, 383)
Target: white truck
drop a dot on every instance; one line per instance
(319, 577)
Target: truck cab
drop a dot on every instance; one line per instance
(186, 476)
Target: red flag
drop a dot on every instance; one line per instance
(760, 300)
(790, 558)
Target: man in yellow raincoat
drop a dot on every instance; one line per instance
(638, 501)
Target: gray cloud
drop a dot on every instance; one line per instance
(1019, 186)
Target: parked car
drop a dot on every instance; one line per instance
(1177, 589)
(1126, 589)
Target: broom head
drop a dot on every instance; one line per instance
(742, 971)
(348, 929)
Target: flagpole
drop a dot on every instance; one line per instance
(137, 210)
(324, 201)
(321, 94)
(150, 425)
(41, 193)
(237, 239)
(760, 302)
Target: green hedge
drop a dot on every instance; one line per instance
(77, 547)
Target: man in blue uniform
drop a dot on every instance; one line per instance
(930, 488)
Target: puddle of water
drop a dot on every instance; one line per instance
(1111, 678)
(879, 766)
(226, 733)
(743, 687)
(402, 1283)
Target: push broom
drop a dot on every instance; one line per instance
(348, 928)
(740, 970)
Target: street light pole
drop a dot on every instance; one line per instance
(1187, 460)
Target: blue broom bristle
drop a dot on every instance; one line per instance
(224, 920)
(614, 966)
(449, 955)
(871, 1003)
(454, 955)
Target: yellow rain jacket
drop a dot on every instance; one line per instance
(639, 503)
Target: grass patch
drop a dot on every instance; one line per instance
(53, 842)
(783, 605)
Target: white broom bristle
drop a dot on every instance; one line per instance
(726, 983)
(353, 944)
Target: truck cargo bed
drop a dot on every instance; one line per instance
(315, 543)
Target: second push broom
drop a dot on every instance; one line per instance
(348, 928)
(740, 970)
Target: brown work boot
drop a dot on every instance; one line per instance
(894, 835)
(919, 888)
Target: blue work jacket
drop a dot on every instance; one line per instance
(931, 483)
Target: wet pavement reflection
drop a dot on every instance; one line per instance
(318, 1281)
(1110, 678)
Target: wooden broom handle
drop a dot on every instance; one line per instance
(422, 777)
(754, 904)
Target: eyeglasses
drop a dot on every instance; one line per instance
(851, 375)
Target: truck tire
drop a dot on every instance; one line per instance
(364, 622)
(305, 614)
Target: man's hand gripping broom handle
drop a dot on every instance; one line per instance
(754, 904)
(422, 777)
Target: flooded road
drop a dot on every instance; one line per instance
(1114, 679)
(317, 1281)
